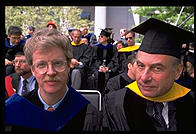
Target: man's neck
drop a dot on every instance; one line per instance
(52, 98)
(104, 43)
(27, 75)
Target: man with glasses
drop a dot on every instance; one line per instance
(13, 44)
(130, 49)
(154, 102)
(54, 106)
(15, 82)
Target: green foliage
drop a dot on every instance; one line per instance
(139, 39)
(64, 16)
(168, 14)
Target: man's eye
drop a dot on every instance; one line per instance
(41, 65)
(140, 66)
(58, 63)
(157, 69)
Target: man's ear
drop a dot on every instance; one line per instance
(33, 72)
(9, 36)
(129, 66)
(179, 70)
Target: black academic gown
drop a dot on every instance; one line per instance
(83, 54)
(108, 53)
(123, 110)
(75, 113)
(118, 82)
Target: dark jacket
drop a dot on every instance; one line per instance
(110, 57)
(118, 82)
(123, 110)
(12, 83)
(10, 51)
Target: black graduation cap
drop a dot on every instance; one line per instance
(106, 32)
(162, 38)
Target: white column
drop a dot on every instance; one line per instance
(136, 16)
(100, 19)
(136, 19)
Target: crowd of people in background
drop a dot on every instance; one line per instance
(96, 63)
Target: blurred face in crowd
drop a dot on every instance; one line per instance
(85, 41)
(51, 27)
(76, 37)
(15, 39)
(103, 39)
(130, 39)
(189, 68)
(122, 32)
(131, 70)
(21, 66)
(155, 73)
(50, 70)
(119, 46)
(30, 32)
(84, 30)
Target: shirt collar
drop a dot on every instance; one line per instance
(30, 79)
(55, 105)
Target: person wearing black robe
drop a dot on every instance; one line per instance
(53, 106)
(104, 62)
(130, 49)
(154, 93)
(123, 79)
(187, 77)
(13, 44)
(80, 62)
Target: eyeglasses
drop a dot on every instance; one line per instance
(15, 37)
(41, 67)
(129, 38)
(101, 36)
(20, 61)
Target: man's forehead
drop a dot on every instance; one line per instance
(129, 34)
(143, 56)
(15, 35)
(20, 57)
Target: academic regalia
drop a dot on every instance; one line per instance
(118, 82)
(91, 37)
(10, 52)
(124, 110)
(123, 54)
(185, 79)
(98, 58)
(82, 53)
(127, 109)
(27, 36)
(74, 113)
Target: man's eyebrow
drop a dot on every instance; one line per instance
(158, 64)
(137, 61)
(152, 65)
